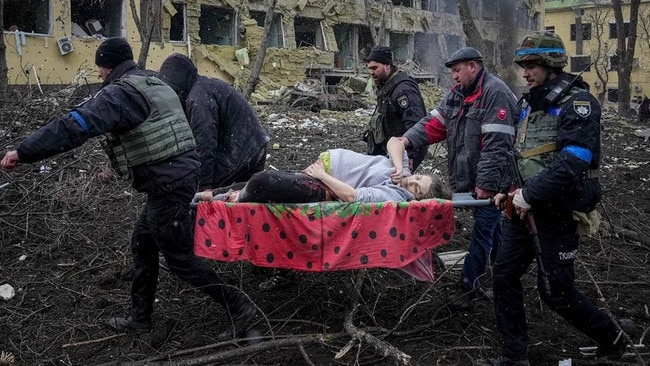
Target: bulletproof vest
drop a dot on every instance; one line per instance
(164, 134)
(537, 136)
(383, 123)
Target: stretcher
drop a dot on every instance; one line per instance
(328, 236)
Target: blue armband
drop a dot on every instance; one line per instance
(579, 152)
(80, 120)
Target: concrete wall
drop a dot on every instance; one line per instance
(39, 55)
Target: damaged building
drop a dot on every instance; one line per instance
(54, 41)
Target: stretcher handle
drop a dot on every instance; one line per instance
(473, 203)
(468, 199)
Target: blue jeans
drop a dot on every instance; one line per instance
(485, 238)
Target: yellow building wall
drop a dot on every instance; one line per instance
(41, 53)
(640, 77)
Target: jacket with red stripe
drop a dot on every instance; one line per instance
(478, 125)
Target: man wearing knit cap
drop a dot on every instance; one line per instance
(149, 142)
(399, 105)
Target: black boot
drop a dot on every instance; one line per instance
(128, 324)
(242, 314)
(616, 349)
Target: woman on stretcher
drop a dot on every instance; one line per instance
(342, 175)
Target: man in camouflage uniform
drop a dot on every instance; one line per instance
(558, 143)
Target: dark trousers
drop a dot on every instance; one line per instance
(285, 187)
(166, 225)
(514, 256)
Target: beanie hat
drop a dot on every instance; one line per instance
(381, 54)
(113, 52)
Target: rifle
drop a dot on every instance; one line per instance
(518, 182)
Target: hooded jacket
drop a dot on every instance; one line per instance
(117, 108)
(228, 134)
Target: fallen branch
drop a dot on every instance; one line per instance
(231, 354)
(384, 348)
(93, 341)
(626, 234)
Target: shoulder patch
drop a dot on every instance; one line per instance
(502, 114)
(582, 108)
(403, 101)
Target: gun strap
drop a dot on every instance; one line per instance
(524, 129)
(539, 150)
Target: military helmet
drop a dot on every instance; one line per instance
(464, 54)
(544, 48)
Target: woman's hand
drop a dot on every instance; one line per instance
(396, 177)
(316, 170)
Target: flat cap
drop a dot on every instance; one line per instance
(464, 54)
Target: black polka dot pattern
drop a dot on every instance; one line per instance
(333, 236)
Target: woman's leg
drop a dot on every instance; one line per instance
(283, 187)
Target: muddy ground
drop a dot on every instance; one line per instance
(64, 248)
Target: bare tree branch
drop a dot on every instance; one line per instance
(261, 53)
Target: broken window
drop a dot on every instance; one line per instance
(426, 51)
(177, 21)
(490, 50)
(615, 60)
(534, 21)
(507, 54)
(29, 16)
(586, 31)
(309, 33)
(580, 63)
(450, 6)
(402, 45)
(407, 3)
(521, 16)
(612, 30)
(102, 18)
(473, 9)
(276, 36)
(612, 95)
(429, 5)
(550, 29)
(453, 43)
(217, 25)
(347, 42)
(490, 10)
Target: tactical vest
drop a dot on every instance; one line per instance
(381, 124)
(164, 134)
(537, 136)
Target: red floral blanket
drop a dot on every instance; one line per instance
(326, 236)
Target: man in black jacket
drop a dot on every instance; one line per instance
(149, 142)
(230, 140)
(559, 149)
(399, 105)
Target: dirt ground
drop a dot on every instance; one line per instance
(64, 248)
